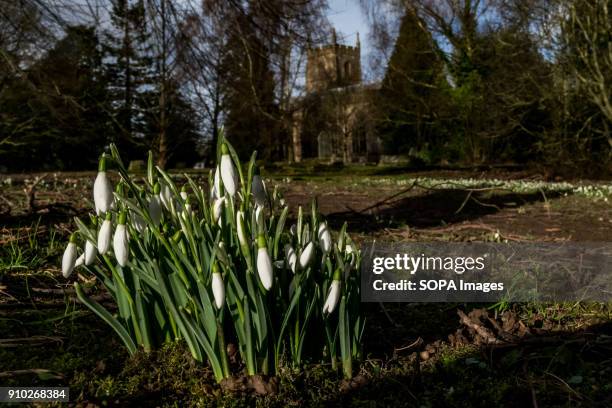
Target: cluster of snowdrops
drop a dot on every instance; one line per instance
(214, 266)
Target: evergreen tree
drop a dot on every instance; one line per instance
(57, 118)
(410, 89)
(130, 70)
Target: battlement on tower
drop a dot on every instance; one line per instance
(333, 66)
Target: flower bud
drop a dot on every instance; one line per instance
(216, 191)
(218, 288)
(165, 196)
(228, 171)
(183, 193)
(80, 260)
(120, 242)
(90, 253)
(264, 263)
(104, 235)
(306, 256)
(70, 256)
(102, 191)
(290, 257)
(258, 189)
(324, 237)
(155, 206)
(217, 208)
(334, 293)
(332, 297)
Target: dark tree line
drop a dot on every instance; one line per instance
(148, 75)
(489, 81)
(469, 81)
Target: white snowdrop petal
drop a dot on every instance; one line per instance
(103, 193)
(90, 253)
(264, 268)
(306, 255)
(120, 245)
(69, 259)
(228, 174)
(332, 297)
(259, 190)
(218, 289)
(104, 237)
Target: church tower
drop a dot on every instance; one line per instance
(333, 66)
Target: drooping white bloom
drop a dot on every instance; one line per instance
(165, 195)
(332, 297)
(104, 235)
(70, 256)
(155, 208)
(183, 193)
(306, 256)
(290, 257)
(138, 223)
(258, 188)
(120, 242)
(90, 253)
(103, 191)
(216, 190)
(240, 226)
(348, 249)
(324, 237)
(80, 260)
(228, 172)
(217, 208)
(293, 230)
(218, 289)
(264, 263)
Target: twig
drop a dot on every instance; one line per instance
(482, 331)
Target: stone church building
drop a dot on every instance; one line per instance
(332, 121)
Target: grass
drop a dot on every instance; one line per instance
(52, 332)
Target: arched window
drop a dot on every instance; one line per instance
(348, 70)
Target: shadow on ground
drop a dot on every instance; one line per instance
(440, 207)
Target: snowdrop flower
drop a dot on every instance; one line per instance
(103, 191)
(291, 257)
(218, 287)
(138, 223)
(120, 241)
(90, 253)
(348, 249)
(104, 235)
(165, 195)
(216, 190)
(80, 260)
(324, 237)
(258, 189)
(228, 172)
(70, 256)
(183, 193)
(306, 255)
(217, 208)
(293, 230)
(155, 205)
(334, 294)
(264, 263)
